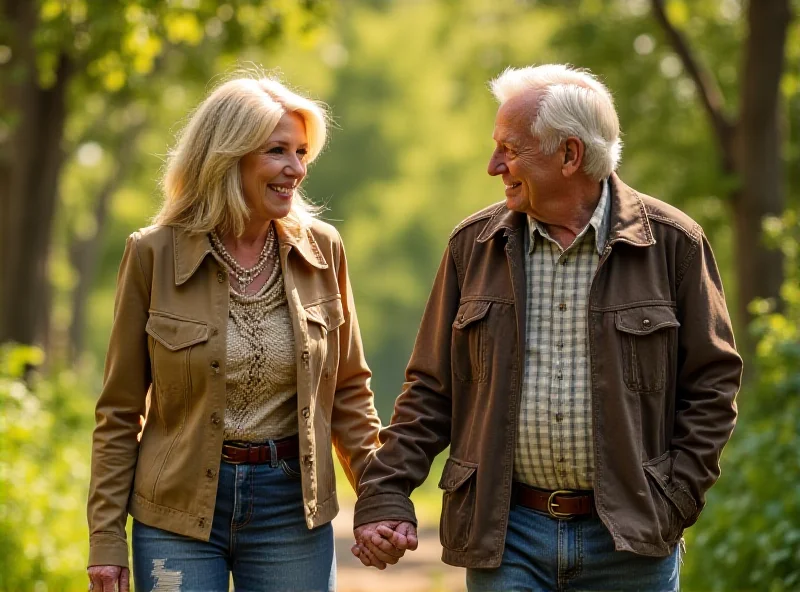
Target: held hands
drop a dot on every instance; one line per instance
(381, 543)
(109, 578)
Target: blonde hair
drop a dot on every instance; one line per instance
(202, 184)
(572, 103)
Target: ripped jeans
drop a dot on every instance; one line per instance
(259, 537)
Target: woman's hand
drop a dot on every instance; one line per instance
(379, 544)
(104, 578)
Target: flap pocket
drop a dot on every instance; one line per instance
(455, 473)
(175, 333)
(329, 314)
(470, 312)
(660, 470)
(643, 320)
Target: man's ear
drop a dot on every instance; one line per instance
(573, 156)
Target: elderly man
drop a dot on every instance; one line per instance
(576, 355)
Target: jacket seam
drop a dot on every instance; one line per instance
(637, 304)
(139, 261)
(323, 299)
(106, 533)
(498, 299)
(487, 213)
(455, 255)
(686, 262)
(648, 232)
(671, 222)
(162, 509)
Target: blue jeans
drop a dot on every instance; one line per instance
(259, 536)
(546, 554)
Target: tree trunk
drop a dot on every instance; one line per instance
(30, 178)
(750, 147)
(759, 162)
(84, 253)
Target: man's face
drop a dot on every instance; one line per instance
(530, 177)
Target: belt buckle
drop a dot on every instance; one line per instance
(552, 505)
(229, 459)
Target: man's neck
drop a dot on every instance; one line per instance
(565, 216)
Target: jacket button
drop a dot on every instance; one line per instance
(305, 356)
(201, 523)
(215, 366)
(211, 473)
(562, 306)
(326, 374)
(220, 277)
(306, 412)
(215, 418)
(646, 323)
(308, 460)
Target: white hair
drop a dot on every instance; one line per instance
(570, 103)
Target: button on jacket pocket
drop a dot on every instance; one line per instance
(646, 333)
(170, 357)
(458, 504)
(328, 315)
(469, 341)
(173, 342)
(322, 320)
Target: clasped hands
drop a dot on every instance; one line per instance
(383, 543)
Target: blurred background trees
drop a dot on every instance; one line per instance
(92, 93)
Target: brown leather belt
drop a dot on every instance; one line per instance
(239, 453)
(561, 503)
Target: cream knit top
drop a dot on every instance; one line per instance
(261, 376)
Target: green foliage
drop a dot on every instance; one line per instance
(748, 538)
(45, 432)
(118, 42)
(406, 82)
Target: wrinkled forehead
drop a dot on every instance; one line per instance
(515, 118)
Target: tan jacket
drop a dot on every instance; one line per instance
(664, 374)
(166, 361)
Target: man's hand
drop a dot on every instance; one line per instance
(385, 542)
(104, 578)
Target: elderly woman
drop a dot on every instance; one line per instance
(235, 336)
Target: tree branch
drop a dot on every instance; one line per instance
(707, 87)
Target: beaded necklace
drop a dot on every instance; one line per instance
(246, 276)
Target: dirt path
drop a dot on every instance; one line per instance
(418, 571)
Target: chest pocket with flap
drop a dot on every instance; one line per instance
(171, 350)
(646, 333)
(469, 341)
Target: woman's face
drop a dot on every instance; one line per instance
(272, 173)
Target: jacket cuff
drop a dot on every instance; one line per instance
(384, 506)
(108, 549)
(683, 500)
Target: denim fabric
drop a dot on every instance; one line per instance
(544, 554)
(259, 536)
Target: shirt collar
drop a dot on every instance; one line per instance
(598, 222)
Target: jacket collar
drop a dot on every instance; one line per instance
(192, 247)
(627, 221)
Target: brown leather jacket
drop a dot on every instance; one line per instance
(664, 374)
(166, 360)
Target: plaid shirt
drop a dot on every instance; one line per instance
(554, 434)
